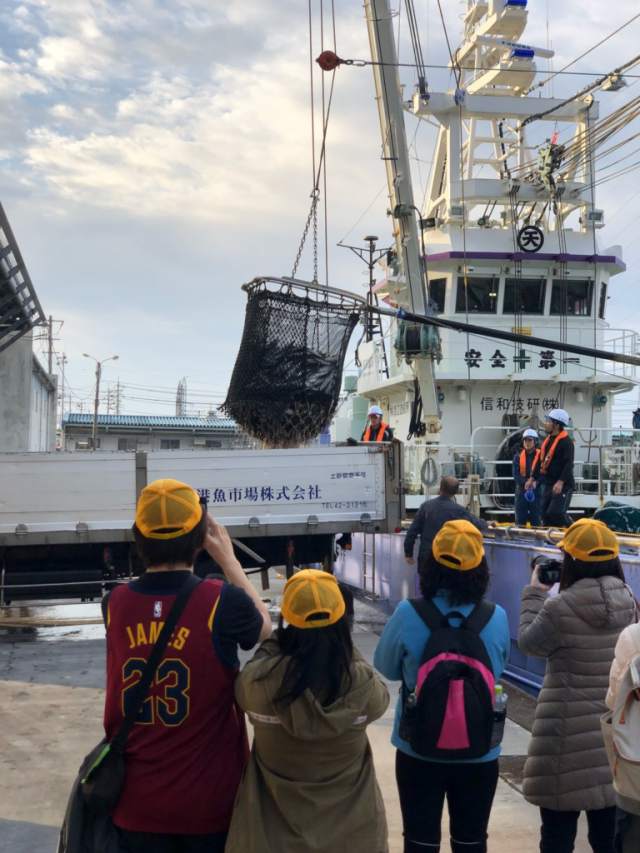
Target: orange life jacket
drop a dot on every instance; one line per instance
(379, 434)
(523, 463)
(548, 456)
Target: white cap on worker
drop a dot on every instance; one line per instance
(530, 433)
(375, 410)
(558, 415)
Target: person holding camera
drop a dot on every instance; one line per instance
(566, 770)
(526, 474)
(556, 470)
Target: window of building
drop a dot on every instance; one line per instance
(213, 443)
(169, 444)
(572, 297)
(85, 444)
(603, 301)
(437, 293)
(525, 295)
(481, 295)
(127, 444)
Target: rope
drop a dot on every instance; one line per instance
(579, 94)
(582, 55)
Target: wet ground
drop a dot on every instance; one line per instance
(51, 705)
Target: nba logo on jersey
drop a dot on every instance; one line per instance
(157, 609)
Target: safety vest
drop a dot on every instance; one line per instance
(379, 434)
(523, 463)
(548, 456)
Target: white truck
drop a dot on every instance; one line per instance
(66, 517)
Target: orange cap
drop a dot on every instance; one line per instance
(312, 599)
(458, 545)
(590, 541)
(167, 509)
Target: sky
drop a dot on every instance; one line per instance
(156, 154)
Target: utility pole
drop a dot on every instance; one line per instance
(61, 363)
(373, 324)
(96, 402)
(370, 255)
(50, 343)
(118, 393)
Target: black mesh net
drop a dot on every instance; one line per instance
(286, 381)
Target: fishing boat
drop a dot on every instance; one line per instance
(506, 244)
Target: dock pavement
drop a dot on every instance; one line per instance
(51, 704)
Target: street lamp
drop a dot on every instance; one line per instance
(96, 403)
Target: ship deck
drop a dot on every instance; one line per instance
(51, 716)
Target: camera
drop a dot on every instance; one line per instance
(548, 570)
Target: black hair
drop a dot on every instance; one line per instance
(182, 549)
(461, 587)
(315, 659)
(449, 486)
(574, 570)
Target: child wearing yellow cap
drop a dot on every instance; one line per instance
(310, 783)
(453, 582)
(567, 771)
(187, 750)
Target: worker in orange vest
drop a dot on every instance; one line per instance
(556, 469)
(526, 474)
(376, 429)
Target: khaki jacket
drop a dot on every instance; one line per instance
(577, 630)
(310, 785)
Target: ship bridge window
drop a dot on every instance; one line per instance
(572, 297)
(481, 295)
(524, 295)
(437, 291)
(603, 301)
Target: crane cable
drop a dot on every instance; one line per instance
(582, 55)
(414, 34)
(318, 166)
(581, 93)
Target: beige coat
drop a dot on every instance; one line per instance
(310, 785)
(567, 767)
(627, 647)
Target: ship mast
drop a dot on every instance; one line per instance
(395, 154)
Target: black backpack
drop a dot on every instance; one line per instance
(449, 714)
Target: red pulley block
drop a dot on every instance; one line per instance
(328, 60)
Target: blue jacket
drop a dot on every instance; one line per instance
(517, 476)
(400, 648)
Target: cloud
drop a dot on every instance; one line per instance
(157, 154)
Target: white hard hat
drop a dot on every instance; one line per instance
(375, 410)
(558, 415)
(530, 433)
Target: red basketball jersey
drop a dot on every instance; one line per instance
(187, 751)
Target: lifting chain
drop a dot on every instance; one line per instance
(313, 215)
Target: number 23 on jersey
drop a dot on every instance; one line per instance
(169, 701)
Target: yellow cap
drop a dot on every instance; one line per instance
(458, 545)
(167, 509)
(590, 541)
(312, 599)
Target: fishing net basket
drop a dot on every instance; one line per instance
(288, 373)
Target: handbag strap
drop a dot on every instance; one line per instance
(142, 687)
